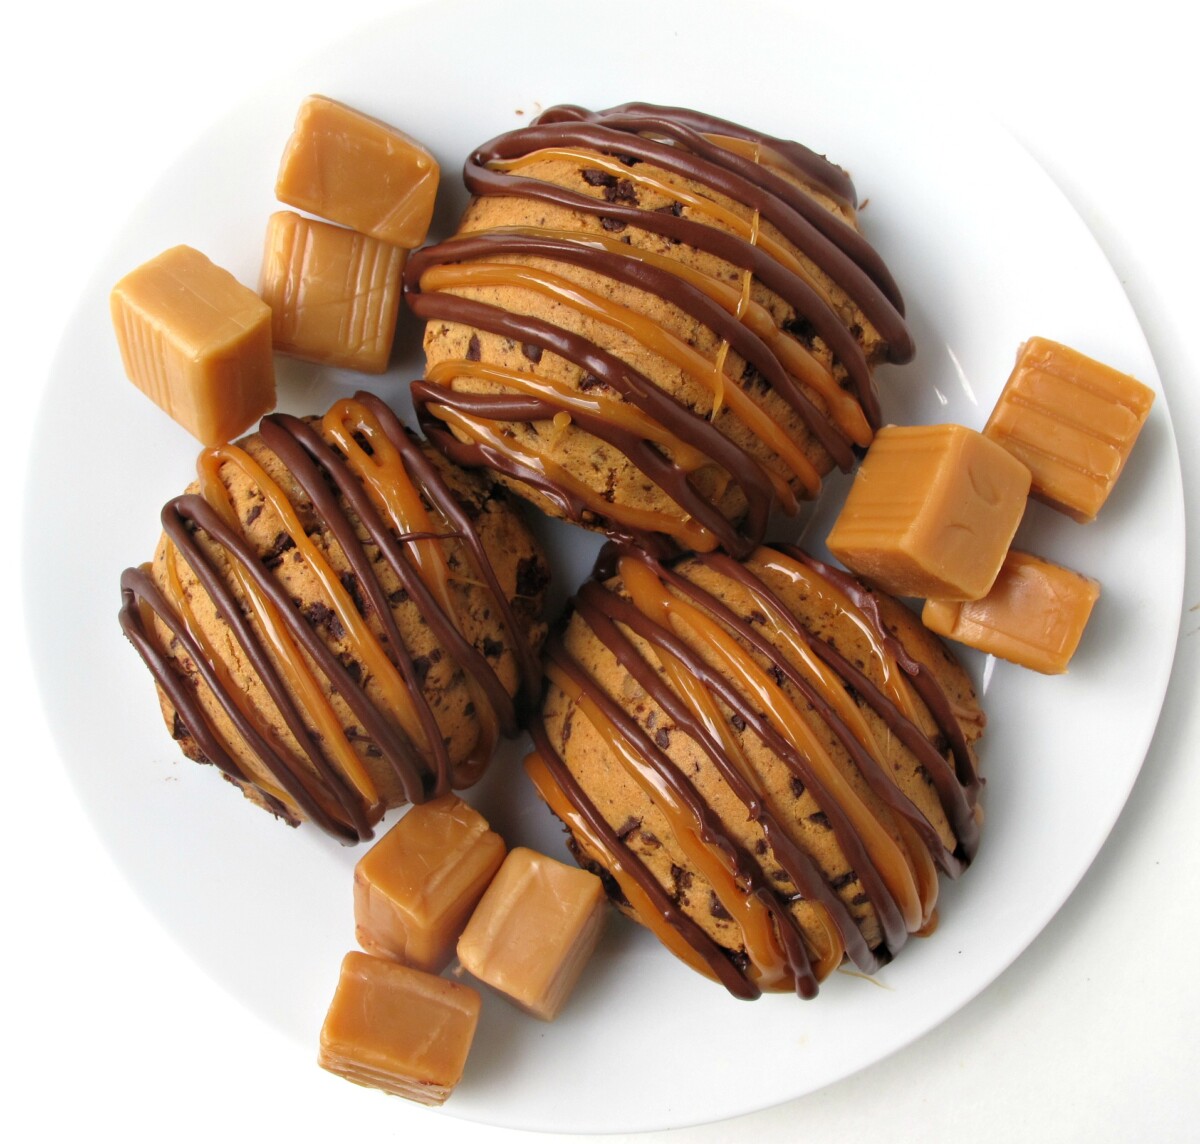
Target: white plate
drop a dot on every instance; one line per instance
(987, 252)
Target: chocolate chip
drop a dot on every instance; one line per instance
(628, 160)
(421, 665)
(320, 615)
(253, 514)
(682, 878)
(532, 352)
(738, 722)
(473, 349)
(797, 787)
(595, 178)
(800, 327)
(675, 209)
(398, 597)
(493, 649)
(717, 909)
(273, 556)
(179, 728)
(843, 880)
(820, 818)
(620, 191)
(663, 738)
(532, 576)
(590, 381)
(355, 592)
(611, 224)
(628, 827)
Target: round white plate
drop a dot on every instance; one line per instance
(987, 252)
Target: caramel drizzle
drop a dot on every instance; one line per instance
(360, 455)
(889, 844)
(729, 161)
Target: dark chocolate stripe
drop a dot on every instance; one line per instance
(746, 870)
(810, 166)
(890, 918)
(327, 798)
(591, 603)
(924, 681)
(623, 379)
(739, 179)
(663, 284)
(896, 722)
(717, 959)
(733, 249)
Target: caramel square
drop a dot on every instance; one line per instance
(196, 342)
(416, 887)
(1073, 421)
(398, 1029)
(931, 512)
(334, 293)
(350, 168)
(1034, 615)
(534, 931)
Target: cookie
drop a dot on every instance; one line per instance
(767, 764)
(655, 323)
(338, 618)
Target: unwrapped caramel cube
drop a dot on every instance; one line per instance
(416, 887)
(349, 168)
(196, 342)
(398, 1029)
(1073, 421)
(1034, 615)
(931, 512)
(334, 293)
(534, 931)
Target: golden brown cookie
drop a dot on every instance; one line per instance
(653, 321)
(767, 763)
(338, 618)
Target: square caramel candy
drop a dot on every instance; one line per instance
(398, 1029)
(196, 342)
(1034, 615)
(416, 887)
(350, 168)
(334, 293)
(534, 931)
(1073, 421)
(931, 512)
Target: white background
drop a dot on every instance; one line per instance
(110, 1029)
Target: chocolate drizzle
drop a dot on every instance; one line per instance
(316, 782)
(777, 182)
(657, 613)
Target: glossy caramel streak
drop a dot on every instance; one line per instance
(804, 163)
(602, 612)
(923, 681)
(868, 765)
(698, 159)
(643, 276)
(772, 940)
(776, 739)
(733, 249)
(181, 517)
(663, 912)
(140, 595)
(297, 447)
(695, 132)
(634, 387)
(322, 470)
